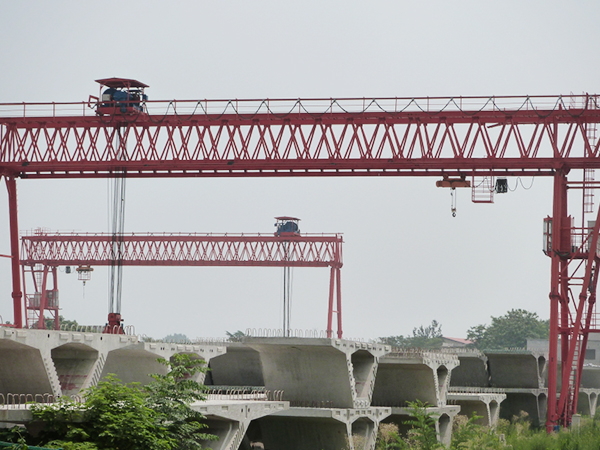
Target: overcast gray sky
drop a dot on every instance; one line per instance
(407, 261)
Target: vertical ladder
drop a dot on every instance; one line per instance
(589, 175)
(573, 379)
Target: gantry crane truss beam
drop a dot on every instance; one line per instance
(504, 135)
(306, 250)
(461, 136)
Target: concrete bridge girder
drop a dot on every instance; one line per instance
(238, 366)
(406, 377)
(524, 369)
(230, 420)
(485, 405)
(472, 370)
(64, 363)
(322, 428)
(533, 401)
(444, 416)
(297, 365)
(587, 401)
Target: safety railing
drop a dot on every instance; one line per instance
(311, 404)
(280, 333)
(235, 393)
(315, 106)
(474, 390)
(22, 401)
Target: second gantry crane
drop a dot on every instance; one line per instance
(42, 252)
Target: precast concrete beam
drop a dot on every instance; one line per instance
(532, 401)
(78, 355)
(322, 428)
(319, 372)
(11, 415)
(472, 371)
(238, 366)
(73, 362)
(444, 416)
(590, 376)
(136, 362)
(517, 369)
(65, 362)
(409, 375)
(484, 405)
(587, 402)
(229, 420)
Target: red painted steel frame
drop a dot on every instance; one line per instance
(304, 138)
(17, 294)
(306, 250)
(442, 137)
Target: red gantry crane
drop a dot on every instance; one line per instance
(43, 252)
(460, 140)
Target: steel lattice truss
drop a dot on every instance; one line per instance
(182, 250)
(509, 136)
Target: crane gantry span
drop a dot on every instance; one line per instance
(449, 138)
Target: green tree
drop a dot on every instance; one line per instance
(422, 337)
(509, 331)
(177, 337)
(423, 434)
(117, 416)
(235, 337)
(121, 416)
(62, 324)
(170, 397)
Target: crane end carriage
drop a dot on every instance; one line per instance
(121, 96)
(114, 325)
(287, 226)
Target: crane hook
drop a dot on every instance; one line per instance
(453, 201)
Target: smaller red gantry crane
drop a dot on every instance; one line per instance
(42, 252)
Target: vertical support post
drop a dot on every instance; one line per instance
(330, 310)
(17, 295)
(25, 303)
(338, 273)
(55, 293)
(559, 221)
(43, 299)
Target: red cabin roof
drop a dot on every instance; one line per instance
(121, 83)
(286, 218)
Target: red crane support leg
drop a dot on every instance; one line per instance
(55, 288)
(44, 290)
(17, 295)
(330, 311)
(338, 273)
(559, 221)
